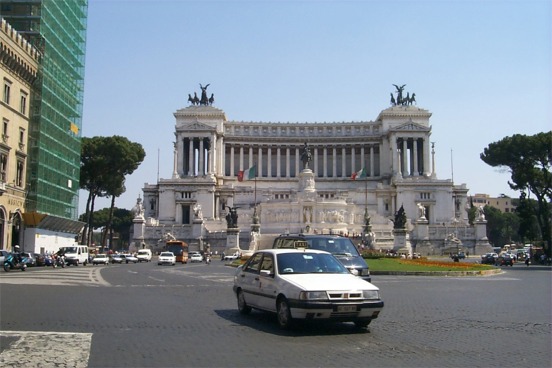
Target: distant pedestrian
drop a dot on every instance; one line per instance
(527, 261)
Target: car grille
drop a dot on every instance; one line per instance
(339, 295)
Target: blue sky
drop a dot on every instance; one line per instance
(483, 68)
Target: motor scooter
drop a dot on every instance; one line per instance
(11, 263)
(59, 261)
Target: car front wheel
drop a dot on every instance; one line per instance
(243, 308)
(283, 313)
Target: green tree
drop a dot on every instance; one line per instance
(528, 225)
(92, 176)
(120, 225)
(528, 159)
(105, 162)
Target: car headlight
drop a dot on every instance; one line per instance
(365, 272)
(313, 295)
(370, 294)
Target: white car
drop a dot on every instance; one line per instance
(304, 284)
(144, 255)
(166, 258)
(231, 257)
(100, 259)
(129, 258)
(196, 257)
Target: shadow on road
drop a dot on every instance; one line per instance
(266, 322)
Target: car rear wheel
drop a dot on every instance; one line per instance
(243, 308)
(283, 313)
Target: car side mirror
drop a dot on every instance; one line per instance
(266, 273)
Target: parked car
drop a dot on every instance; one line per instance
(3, 255)
(117, 258)
(341, 247)
(505, 260)
(30, 258)
(304, 284)
(130, 258)
(489, 258)
(100, 259)
(48, 260)
(40, 259)
(196, 257)
(166, 258)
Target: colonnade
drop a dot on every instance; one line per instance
(330, 161)
(410, 156)
(196, 158)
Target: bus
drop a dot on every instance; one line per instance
(179, 249)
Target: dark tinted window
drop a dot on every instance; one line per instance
(333, 245)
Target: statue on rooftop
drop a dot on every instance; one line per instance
(204, 99)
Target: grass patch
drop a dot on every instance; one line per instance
(422, 264)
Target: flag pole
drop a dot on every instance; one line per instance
(366, 192)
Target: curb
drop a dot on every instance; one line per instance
(438, 273)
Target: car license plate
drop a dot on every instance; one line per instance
(346, 308)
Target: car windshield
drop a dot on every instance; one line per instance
(336, 246)
(70, 249)
(165, 254)
(293, 263)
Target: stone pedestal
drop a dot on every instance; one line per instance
(482, 244)
(139, 225)
(421, 235)
(197, 228)
(402, 242)
(232, 241)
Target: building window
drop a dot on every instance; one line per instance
(20, 172)
(5, 124)
(23, 103)
(3, 167)
(21, 138)
(7, 90)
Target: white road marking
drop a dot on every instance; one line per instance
(69, 276)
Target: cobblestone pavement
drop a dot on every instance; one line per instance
(44, 349)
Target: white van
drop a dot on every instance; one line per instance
(75, 254)
(144, 255)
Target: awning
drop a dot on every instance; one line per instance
(53, 223)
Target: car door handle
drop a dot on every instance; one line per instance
(257, 278)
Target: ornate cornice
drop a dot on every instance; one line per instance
(200, 112)
(403, 112)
